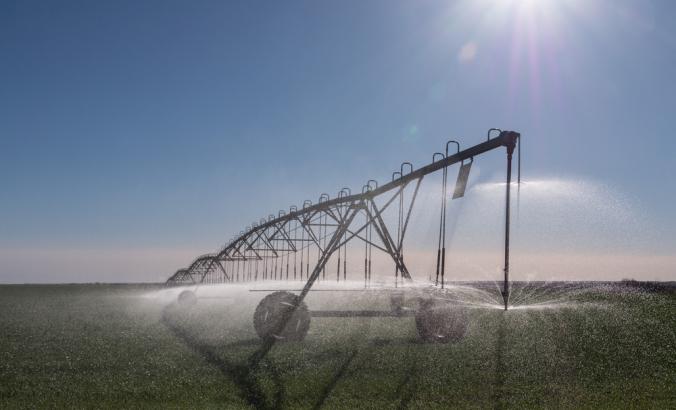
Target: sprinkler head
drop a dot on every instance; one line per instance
(505, 297)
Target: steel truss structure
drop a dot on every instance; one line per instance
(298, 244)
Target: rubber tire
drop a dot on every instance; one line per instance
(397, 302)
(187, 298)
(272, 309)
(440, 322)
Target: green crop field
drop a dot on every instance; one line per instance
(130, 346)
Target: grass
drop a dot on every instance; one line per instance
(113, 346)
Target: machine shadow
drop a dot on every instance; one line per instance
(500, 369)
(241, 375)
(408, 387)
(244, 374)
(334, 380)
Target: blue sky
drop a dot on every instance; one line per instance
(168, 126)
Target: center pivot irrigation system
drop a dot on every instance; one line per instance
(298, 245)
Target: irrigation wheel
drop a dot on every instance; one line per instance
(440, 321)
(272, 309)
(187, 298)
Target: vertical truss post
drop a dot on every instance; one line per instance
(505, 284)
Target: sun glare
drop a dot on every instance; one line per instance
(529, 36)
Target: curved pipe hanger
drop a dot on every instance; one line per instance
(457, 146)
(345, 191)
(401, 169)
(488, 135)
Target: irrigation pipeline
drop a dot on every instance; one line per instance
(329, 225)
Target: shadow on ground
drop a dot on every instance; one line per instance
(240, 374)
(245, 376)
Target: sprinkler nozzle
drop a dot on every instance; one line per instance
(505, 297)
